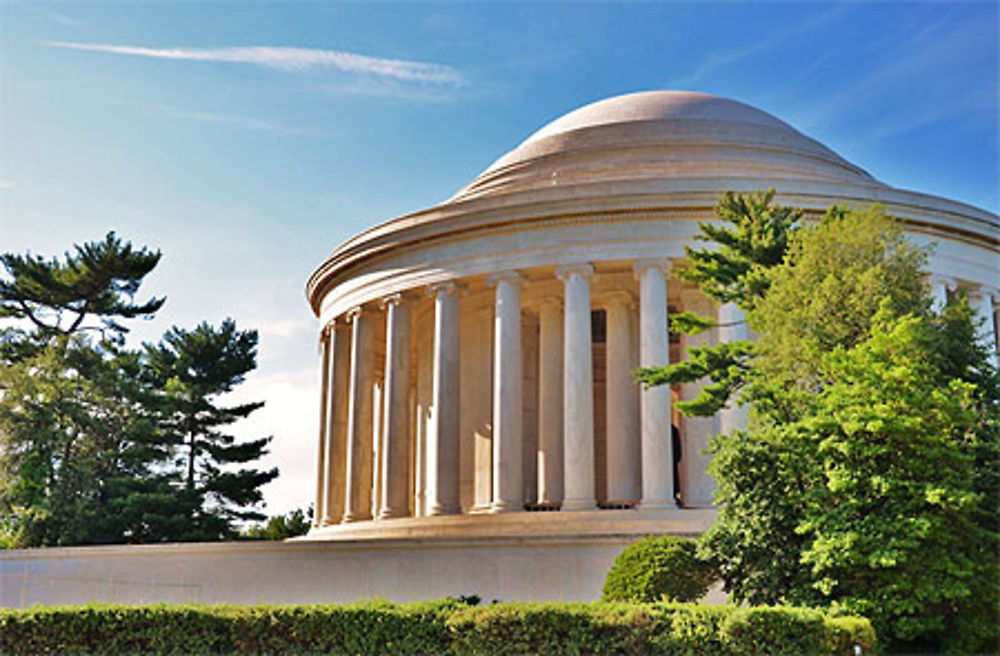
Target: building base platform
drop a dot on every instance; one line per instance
(512, 557)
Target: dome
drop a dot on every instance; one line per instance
(476, 356)
(662, 135)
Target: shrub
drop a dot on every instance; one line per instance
(552, 628)
(442, 627)
(843, 633)
(658, 568)
(778, 631)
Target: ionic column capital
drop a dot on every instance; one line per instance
(511, 276)
(324, 332)
(444, 287)
(397, 299)
(663, 265)
(947, 282)
(583, 269)
(354, 313)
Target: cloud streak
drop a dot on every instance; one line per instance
(717, 60)
(288, 60)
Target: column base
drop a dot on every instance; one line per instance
(480, 509)
(351, 518)
(444, 510)
(331, 521)
(498, 507)
(393, 513)
(578, 504)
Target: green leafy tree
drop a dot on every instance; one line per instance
(196, 367)
(74, 427)
(868, 478)
(280, 527)
(79, 446)
(91, 432)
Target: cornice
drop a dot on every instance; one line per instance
(937, 217)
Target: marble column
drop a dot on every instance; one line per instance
(396, 422)
(442, 438)
(654, 351)
(624, 456)
(697, 485)
(550, 403)
(981, 301)
(939, 288)
(732, 328)
(425, 396)
(324, 389)
(336, 418)
(579, 486)
(508, 489)
(360, 409)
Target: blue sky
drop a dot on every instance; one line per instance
(247, 140)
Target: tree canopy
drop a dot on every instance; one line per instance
(95, 437)
(100, 280)
(867, 479)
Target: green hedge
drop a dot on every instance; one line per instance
(658, 568)
(445, 627)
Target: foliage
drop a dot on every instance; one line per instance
(432, 628)
(280, 527)
(868, 478)
(80, 448)
(658, 568)
(826, 293)
(749, 238)
(100, 279)
(195, 367)
(88, 444)
(753, 236)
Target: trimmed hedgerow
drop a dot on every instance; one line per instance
(554, 628)
(367, 628)
(658, 568)
(443, 627)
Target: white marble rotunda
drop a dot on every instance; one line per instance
(477, 355)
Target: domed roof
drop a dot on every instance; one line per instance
(660, 135)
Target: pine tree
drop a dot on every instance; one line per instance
(99, 280)
(196, 367)
(750, 236)
(91, 431)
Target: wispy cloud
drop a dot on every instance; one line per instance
(6, 184)
(392, 89)
(933, 53)
(57, 16)
(718, 60)
(288, 59)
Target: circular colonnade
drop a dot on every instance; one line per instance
(477, 356)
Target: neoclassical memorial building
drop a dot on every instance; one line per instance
(480, 431)
(477, 356)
